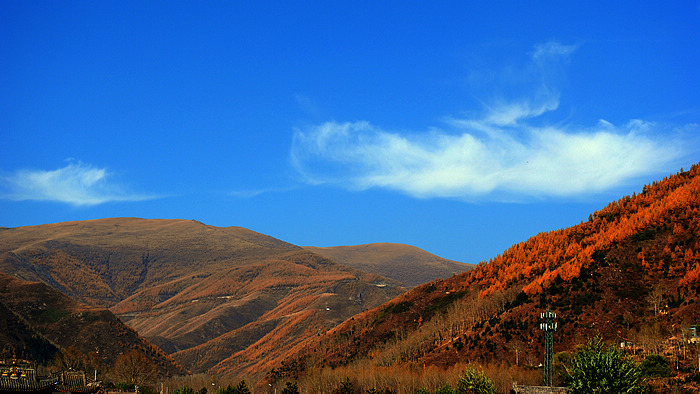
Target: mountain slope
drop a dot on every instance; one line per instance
(102, 262)
(182, 284)
(16, 334)
(47, 321)
(407, 264)
(632, 272)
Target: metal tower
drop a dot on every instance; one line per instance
(548, 325)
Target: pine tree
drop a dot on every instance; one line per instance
(290, 388)
(475, 382)
(242, 388)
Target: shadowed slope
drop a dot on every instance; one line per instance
(50, 320)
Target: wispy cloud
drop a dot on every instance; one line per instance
(77, 184)
(250, 193)
(551, 50)
(502, 154)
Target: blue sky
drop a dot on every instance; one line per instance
(458, 127)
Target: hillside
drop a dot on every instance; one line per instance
(16, 334)
(185, 285)
(630, 273)
(39, 321)
(407, 264)
(102, 262)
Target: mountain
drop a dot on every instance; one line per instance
(191, 288)
(16, 334)
(103, 262)
(630, 273)
(39, 321)
(407, 264)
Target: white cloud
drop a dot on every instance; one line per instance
(508, 114)
(76, 184)
(552, 50)
(478, 159)
(502, 154)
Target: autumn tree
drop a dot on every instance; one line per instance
(135, 368)
(655, 300)
(68, 359)
(517, 346)
(650, 336)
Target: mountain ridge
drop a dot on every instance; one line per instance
(183, 284)
(407, 264)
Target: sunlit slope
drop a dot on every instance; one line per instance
(102, 262)
(631, 272)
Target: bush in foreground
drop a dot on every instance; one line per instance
(474, 381)
(600, 368)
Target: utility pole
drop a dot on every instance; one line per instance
(548, 325)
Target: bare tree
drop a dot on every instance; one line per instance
(135, 368)
(68, 359)
(650, 336)
(517, 347)
(655, 300)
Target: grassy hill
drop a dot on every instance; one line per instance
(630, 273)
(183, 284)
(407, 264)
(102, 262)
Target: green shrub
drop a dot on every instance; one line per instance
(599, 368)
(401, 307)
(128, 386)
(184, 390)
(474, 382)
(53, 315)
(656, 366)
(446, 389)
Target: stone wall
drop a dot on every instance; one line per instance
(517, 389)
